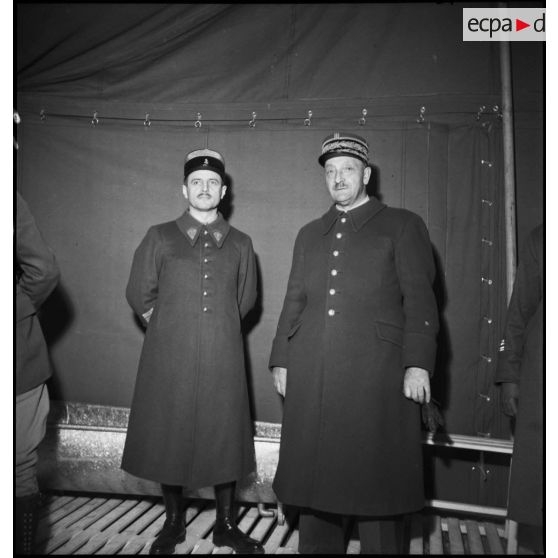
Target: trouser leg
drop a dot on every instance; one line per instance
(26, 520)
(226, 532)
(31, 414)
(320, 532)
(381, 535)
(174, 528)
(530, 539)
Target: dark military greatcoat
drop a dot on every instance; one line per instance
(359, 309)
(37, 275)
(189, 422)
(521, 361)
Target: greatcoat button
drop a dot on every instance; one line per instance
(331, 291)
(343, 219)
(338, 235)
(334, 272)
(336, 253)
(331, 312)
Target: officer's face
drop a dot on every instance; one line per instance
(204, 190)
(346, 179)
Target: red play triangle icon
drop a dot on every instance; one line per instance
(519, 25)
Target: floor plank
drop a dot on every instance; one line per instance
(493, 538)
(96, 542)
(204, 546)
(274, 540)
(78, 539)
(134, 546)
(474, 537)
(197, 529)
(75, 519)
(353, 547)
(90, 520)
(114, 544)
(80, 524)
(53, 504)
(262, 528)
(129, 516)
(416, 536)
(142, 522)
(65, 510)
(454, 534)
(109, 522)
(435, 544)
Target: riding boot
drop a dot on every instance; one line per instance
(26, 513)
(225, 532)
(174, 529)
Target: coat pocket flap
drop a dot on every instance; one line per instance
(293, 329)
(390, 332)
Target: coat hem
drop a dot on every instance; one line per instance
(352, 510)
(233, 477)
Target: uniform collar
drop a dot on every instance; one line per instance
(357, 217)
(191, 228)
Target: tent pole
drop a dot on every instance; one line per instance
(509, 166)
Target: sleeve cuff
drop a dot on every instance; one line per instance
(420, 350)
(279, 352)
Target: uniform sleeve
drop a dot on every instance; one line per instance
(416, 271)
(38, 270)
(143, 284)
(525, 299)
(247, 280)
(293, 305)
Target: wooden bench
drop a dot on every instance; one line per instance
(83, 447)
(482, 445)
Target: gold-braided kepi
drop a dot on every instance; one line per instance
(344, 144)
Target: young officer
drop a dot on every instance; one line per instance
(192, 281)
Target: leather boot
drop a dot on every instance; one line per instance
(26, 523)
(225, 532)
(174, 529)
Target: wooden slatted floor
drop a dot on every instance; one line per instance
(93, 524)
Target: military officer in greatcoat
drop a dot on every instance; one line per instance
(191, 283)
(36, 276)
(520, 375)
(353, 356)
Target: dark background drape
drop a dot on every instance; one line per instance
(95, 189)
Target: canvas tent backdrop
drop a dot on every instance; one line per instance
(109, 96)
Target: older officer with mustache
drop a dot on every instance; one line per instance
(353, 354)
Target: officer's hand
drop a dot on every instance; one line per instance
(510, 398)
(416, 385)
(280, 379)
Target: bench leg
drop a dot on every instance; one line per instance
(511, 536)
(280, 514)
(265, 512)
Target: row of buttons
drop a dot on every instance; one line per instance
(206, 275)
(334, 272)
